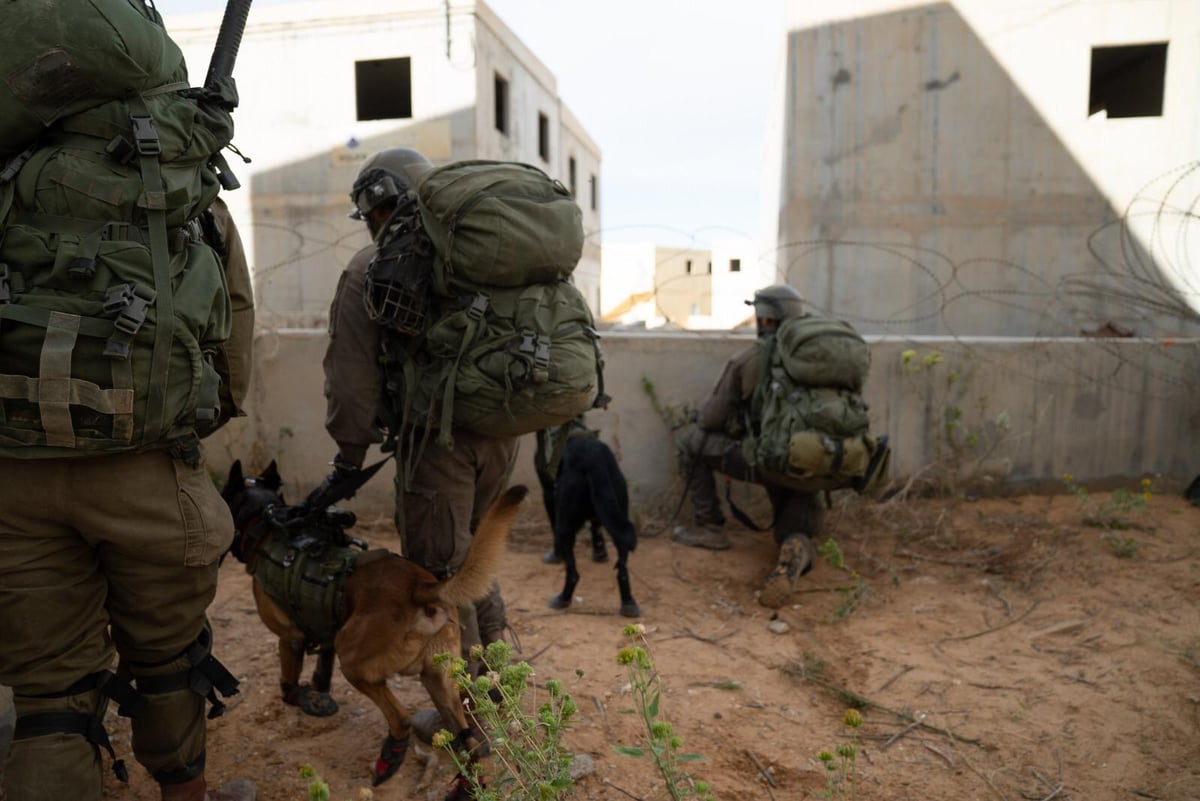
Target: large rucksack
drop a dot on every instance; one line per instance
(112, 304)
(498, 224)
(809, 422)
(508, 345)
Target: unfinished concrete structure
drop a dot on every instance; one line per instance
(325, 84)
(974, 167)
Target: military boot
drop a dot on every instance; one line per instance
(795, 559)
(710, 536)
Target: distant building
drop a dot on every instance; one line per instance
(325, 84)
(689, 288)
(1026, 167)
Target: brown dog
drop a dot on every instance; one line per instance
(393, 616)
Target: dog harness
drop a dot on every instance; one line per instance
(304, 570)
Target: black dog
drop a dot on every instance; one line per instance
(590, 485)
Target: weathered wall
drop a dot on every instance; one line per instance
(941, 173)
(1035, 408)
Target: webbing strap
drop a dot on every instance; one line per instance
(90, 728)
(154, 195)
(82, 393)
(32, 315)
(54, 379)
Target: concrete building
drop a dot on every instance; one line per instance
(325, 84)
(689, 288)
(1023, 168)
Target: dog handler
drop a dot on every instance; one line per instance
(438, 512)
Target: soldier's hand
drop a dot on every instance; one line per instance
(328, 491)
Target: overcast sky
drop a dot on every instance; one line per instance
(676, 94)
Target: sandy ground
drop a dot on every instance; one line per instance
(1001, 649)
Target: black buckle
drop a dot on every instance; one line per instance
(117, 297)
(478, 306)
(144, 135)
(541, 354)
(528, 340)
(133, 315)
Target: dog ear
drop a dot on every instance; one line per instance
(235, 481)
(270, 477)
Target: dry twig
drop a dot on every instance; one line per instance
(1016, 619)
(902, 732)
(763, 771)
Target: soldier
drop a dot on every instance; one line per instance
(118, 553)
(714, 442)
(450, 489)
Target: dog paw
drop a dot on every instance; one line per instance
(631, 609)
(559, 602)
(391, 757)
(311, 701)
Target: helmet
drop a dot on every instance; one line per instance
(777, 302)
(385, 177)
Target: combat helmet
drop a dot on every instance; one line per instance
(385, 177)
(777, 302)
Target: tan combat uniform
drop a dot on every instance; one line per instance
(451, 488)
(714, 442)
(112, 555)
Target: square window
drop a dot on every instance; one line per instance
(735, 265)
(544, 136)
(501, 93)
(383, 88)
(1127, 80)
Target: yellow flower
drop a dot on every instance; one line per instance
(1147, 495)
(1068, 477)
(853, 718)
(907, 356)
(1145, 483)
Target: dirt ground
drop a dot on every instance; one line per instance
(999, 648)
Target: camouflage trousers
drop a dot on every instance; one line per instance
(437, 516)
(103, 557)
(703, 452)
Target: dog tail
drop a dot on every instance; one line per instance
(475, 578)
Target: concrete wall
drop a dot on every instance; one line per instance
(941, 173)
(1020, 408)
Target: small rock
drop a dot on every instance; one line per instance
(581, 765)
(778, 627)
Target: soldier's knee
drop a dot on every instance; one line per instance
(193, 672)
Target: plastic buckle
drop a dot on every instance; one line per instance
(541, 354)
(478, 306)
(528, 340)
(117, 297)
(132, 316)
(144, 135)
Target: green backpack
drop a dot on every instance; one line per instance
(809, 421)
(508, 346)
(499, 224)
(112, 305)
(59, 58)
(501, 362)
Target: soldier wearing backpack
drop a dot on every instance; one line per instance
(714, 442)
(439, 506)
(125, 323)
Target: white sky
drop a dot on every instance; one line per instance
(675, 92)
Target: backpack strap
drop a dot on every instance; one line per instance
(148, 148)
